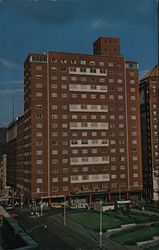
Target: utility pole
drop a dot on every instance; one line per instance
(119, 193)
(64, 217)
(101, 211)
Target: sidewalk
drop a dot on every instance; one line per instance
(145, 212)
(89, 234)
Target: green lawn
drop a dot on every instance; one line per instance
(140, 233)
(110, 219)
(153, 248)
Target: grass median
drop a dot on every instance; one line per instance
(110, 219)
(137, 234)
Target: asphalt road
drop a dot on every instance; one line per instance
(54, 237)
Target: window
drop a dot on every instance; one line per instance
(38, 94)
(39, 162)
(83, 62)
(54, 107)
(120, 97)
(39, 143)
(85, 177)
(38, 115)
(64, 160)
(122, 176)
(65, 179)
(63, 86)
(54, 86)
(63, 78)
(83, 96)
(64, 95)
(75, 170)
(54, 95)
(113, 176)
(135, 175)
(75, 151)
(38, 106)
(74, 78)
(63, 69)
(54, 78)
(39, 152)
(54, 116)
(54, 161)
(54, 142)
(65, 188)
(54, 152)
(63, 61)
(55, 189)
(54, 69)
(83, 79)
(73, 61)
(55, 179)
(65, 151)
(38, 76)
(38, 67)
(39, 85)
(82, 69)
(85, 169)
(132, 97)
(39, 180)
(84, 133)
(39, 134)
(54, 170)
(65, 170)
(54, 134)
(53, 60)
(39, 125)
(111, 97)
(134, 141)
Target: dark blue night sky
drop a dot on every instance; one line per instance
(69, 25)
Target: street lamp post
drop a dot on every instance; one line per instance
(100, 233)
(64, 217)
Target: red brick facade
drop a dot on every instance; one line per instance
(82, 123)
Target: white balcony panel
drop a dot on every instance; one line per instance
(89, 143)
(89, 125)
(91, 178)
(78, 72)
(88, 88)
(88, 108)
(90, 160)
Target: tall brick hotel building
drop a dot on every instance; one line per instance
(82, 125)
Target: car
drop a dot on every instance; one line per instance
(34, 212)
(56, 205)
(73, 206)
(9, 207)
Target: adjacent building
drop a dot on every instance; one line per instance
(81, 125)
(14, 140)
(2, 140)
(3, 163)
(149, 106)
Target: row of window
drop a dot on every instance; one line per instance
(84, 62)
(86, 187)
(85, 151)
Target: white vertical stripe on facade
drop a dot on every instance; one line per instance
(48, 121)
(127, 132)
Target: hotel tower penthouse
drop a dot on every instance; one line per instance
(82, 125)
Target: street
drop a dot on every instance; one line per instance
(54, 236)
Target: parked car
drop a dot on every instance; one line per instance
(34, 212)
(9, 207)
(79, 206)
(56, 205)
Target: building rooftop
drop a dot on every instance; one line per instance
(152, 73)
